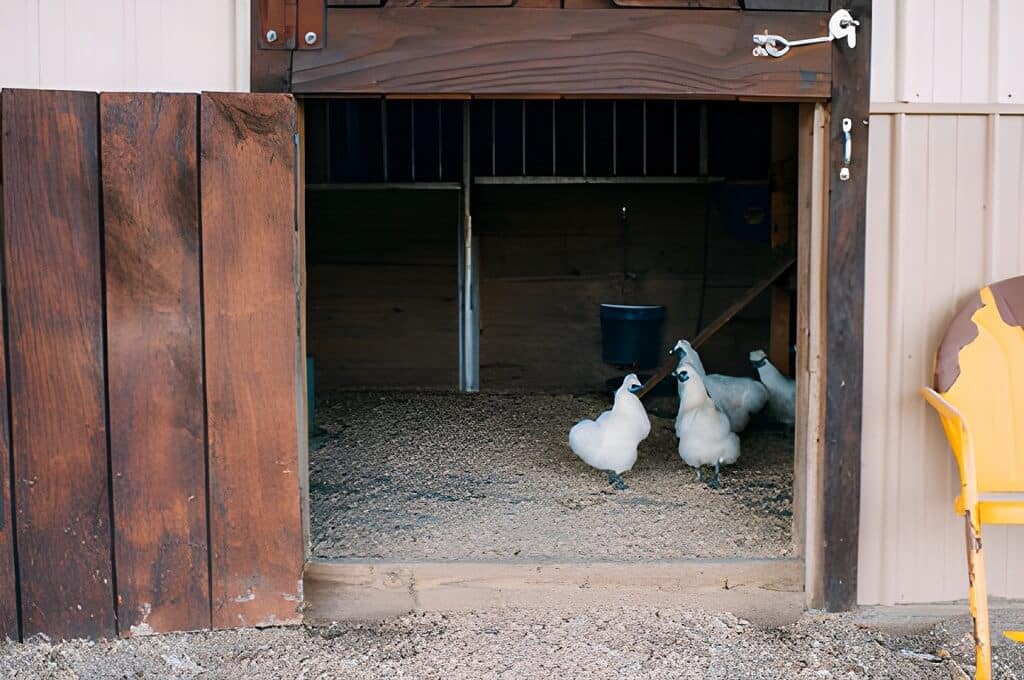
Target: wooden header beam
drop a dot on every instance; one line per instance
(514, 51)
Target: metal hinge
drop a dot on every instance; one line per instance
(291, 24)
(841, 25)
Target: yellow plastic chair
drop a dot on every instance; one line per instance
(979, 395)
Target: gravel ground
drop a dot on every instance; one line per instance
(402, 475)
(528, 644)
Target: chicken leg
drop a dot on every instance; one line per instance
(616, 481)
(714, 482)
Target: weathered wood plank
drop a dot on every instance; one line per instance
(269, 69)
(8, 580)
(682, 4)
(347, 590)
(845, 315)
(248, 206)
(491, 51)
(787, 5)
(55, 319)
(154, 349)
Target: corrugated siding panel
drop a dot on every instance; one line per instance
(945, 213)
(948, 51)
(134, 45)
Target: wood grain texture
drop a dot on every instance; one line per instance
(269, 69)
(382, 274)
(250, 278)
(845, 316)
(8, 577)
(361, 590)
(310, 16)
(154, 349)
(55, 321)
(681, 4)
(492, 51)
(786, 5)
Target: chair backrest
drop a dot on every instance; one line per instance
(979, 369)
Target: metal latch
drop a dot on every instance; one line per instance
(841, 25)
(844, 172)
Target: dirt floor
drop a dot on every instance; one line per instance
(406, 475)
(531, 644)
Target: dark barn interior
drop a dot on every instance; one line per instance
(573, 203)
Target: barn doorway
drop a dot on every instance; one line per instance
(573, 203)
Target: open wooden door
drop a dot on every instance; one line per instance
(151, 353)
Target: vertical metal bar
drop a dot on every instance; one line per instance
(643, 126)
(615, 139)
(522, 118)
(412, 135)
(440, 144)
(584, 137)
(554, 140)
(384, 134)
(675, 137)
(469, 297)
(494, 146)
(327, 129)
(704, 139)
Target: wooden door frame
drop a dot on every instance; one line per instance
(831, 528)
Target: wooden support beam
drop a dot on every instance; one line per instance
(783, 170)
(723, 318)
(844, 378)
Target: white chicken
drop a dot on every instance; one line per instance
(737, 398)
(705, 437)
(610, 442)
(781, 390)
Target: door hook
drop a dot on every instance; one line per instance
(840, 25)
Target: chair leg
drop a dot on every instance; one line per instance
(978, 599)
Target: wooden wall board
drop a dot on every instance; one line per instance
(622, 52)
(8, 574)
(155, 375)
(382, 307)
(250, 279)
(382, 288)
(845, 315)
(55, 349)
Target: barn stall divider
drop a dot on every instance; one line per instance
(152, 364)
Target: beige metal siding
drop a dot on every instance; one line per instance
(139, 45)
(945, 214)
(947, 51)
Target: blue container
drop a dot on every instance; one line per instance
(631, 335)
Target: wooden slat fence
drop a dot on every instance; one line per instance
(149, 474)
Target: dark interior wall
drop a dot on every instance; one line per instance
(382, 308)
(551, 255)
(381, 302)
(382, 264)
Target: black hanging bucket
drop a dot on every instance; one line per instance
(631, 335)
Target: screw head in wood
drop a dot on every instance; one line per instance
(271, 36)
(311, 38)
